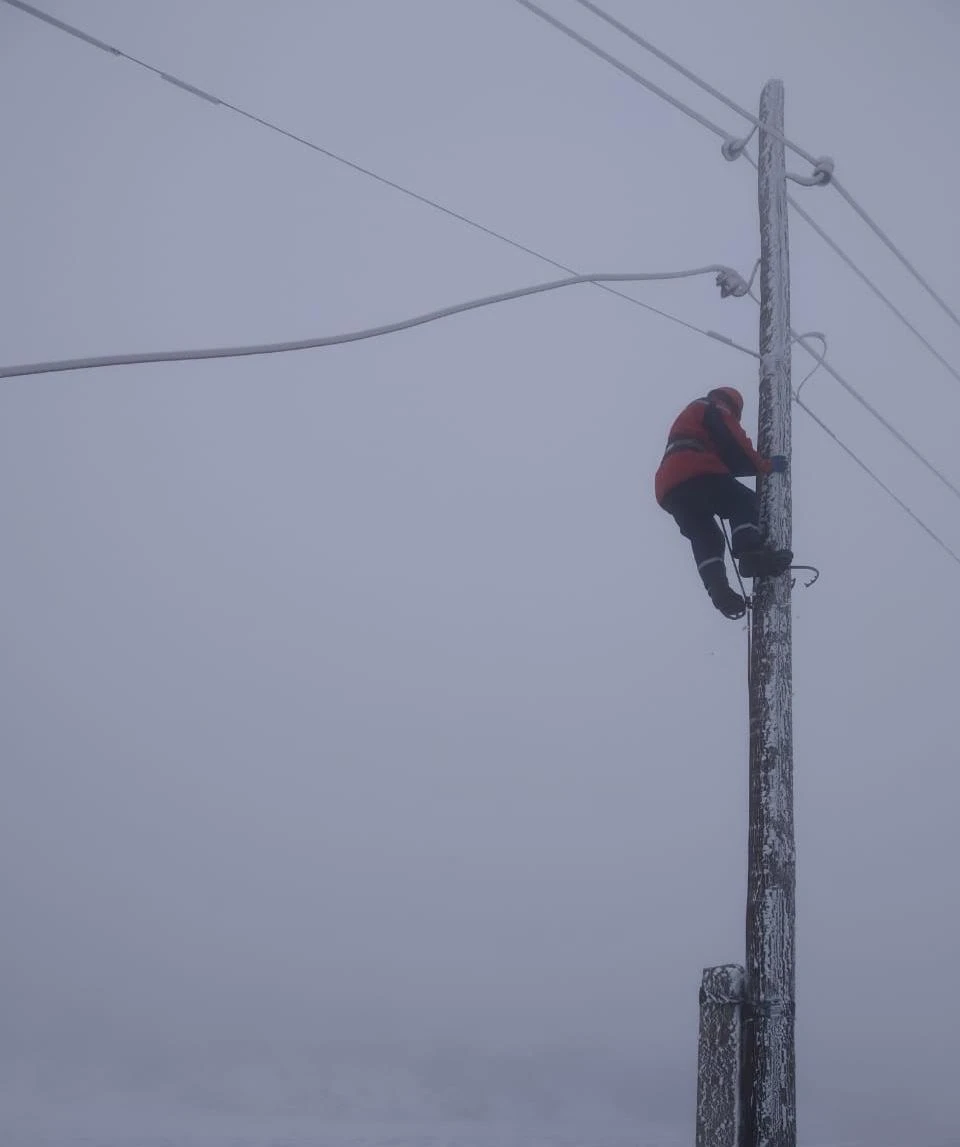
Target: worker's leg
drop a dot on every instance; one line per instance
(740, 506)
(689, 505)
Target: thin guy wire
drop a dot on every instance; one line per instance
(891, 246)
(888, 426)
(598, 51)
(883, 486)
(841, 190)
(838, 250)
(218, 101)
(352, 336)
(821, 361)
(854, 393)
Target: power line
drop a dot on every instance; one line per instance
(864, 277)
(891, 246)
(727, 278)
(883, 486)
(612, 60)
(646, 83)
(821, 361)
(215, 100)
(825, 173)
(694, 78)
(209, 98)
(858, 397)
(218, 101)
(888, 426)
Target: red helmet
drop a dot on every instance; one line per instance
(729, 397)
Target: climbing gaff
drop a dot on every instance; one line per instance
(811, 569)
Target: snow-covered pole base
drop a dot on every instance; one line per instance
(718, 1060)
(769, 1087)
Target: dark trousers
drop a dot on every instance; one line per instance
(696, 503)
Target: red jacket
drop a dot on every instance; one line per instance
(707, 438)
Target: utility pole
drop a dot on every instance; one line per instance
(768, 1078)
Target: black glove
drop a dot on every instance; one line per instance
(778, 464)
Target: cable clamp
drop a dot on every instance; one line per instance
(822, 174)
(731, 282)
(732, 149)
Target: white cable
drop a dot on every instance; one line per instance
(725, 276)
(598, 51)
(219, 101)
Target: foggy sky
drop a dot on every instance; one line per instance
(366, 693)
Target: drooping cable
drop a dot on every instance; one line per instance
(729, 280)
(209, 98)
(219, 101)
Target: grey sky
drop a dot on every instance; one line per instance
(367, 690)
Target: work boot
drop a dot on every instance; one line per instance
(728, 601)
(765, 562)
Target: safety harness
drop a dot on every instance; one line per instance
(674, 445)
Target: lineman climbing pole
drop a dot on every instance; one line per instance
(768, 1079)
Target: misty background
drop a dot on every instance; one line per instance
(371, 751)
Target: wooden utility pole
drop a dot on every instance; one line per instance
(768, 1078)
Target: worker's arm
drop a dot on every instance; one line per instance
(733, 445)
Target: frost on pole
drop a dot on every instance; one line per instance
(718, 1058)
(769, 1088)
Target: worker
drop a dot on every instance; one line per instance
(707, 450)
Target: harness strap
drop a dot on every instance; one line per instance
(674, 445)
